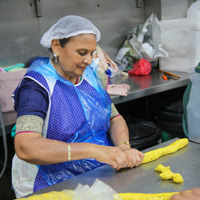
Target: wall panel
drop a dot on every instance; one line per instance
(21, 30)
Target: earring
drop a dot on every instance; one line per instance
(55, 58)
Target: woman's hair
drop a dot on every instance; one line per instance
(62, 43)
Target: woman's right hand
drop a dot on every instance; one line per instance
(113, 156)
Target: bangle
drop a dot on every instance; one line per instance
(124, 142)
(69, 152)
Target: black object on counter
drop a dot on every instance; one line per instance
(168, 114)
(142, 133)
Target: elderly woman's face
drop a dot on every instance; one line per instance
(76, 55)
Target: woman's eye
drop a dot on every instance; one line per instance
(82, 53)
(94, 53)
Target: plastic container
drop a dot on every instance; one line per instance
(181, 39)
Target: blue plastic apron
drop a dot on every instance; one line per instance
(78, 113)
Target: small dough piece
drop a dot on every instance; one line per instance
(166, 174)
(177, 178)
(161, 168)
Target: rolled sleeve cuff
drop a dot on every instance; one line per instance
(29, 123)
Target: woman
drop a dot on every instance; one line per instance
(64, 113)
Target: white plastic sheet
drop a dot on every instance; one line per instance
(98, 191)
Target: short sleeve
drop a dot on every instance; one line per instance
(31, 99)
(31, 103)
(104, 79)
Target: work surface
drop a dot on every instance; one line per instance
(196, 140)
(141, 86)
(143, 178)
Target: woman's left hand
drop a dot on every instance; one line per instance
(119, 132)
(135, 157)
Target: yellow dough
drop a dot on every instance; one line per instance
(157, 153)
(63, 195)
(161, 168)
(68, 195)
(143, 196)
(167, 174)
(177, 178)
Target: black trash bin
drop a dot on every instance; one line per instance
(168, 114)
(142, 133)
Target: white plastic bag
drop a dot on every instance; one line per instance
(149, 38)
(180, 38)
(193, 108)
(194, 10)
(98, 191)
(142, 42)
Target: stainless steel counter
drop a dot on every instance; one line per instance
(196, 140)
(141, 86)
(143, 178)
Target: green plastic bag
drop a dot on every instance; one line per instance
(191, 99)
(13, 131)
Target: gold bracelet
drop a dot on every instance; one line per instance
(124, 142)
(69, 152)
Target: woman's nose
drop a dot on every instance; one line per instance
(88, 60)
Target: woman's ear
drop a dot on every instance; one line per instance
(55, 45)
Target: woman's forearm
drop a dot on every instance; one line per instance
(32, 148)
(119, 130)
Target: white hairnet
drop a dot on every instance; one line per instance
(69, 26)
